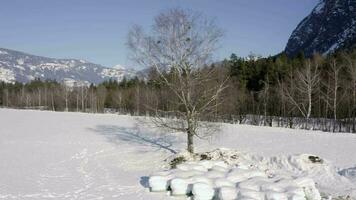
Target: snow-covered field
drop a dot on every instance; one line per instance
(49, 155)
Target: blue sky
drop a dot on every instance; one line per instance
(95, 30)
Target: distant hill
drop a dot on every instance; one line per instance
(23, 67)
(329, 27)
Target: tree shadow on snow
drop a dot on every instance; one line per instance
(134, 135)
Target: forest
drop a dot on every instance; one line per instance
(317, 93)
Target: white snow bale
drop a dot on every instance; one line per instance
(227, 193)
(207, 163)
(220, 164)
(243, 166)
(215, 179)
(296, 197)
(279, 186)
(158, 183)
(203, 191)
(192, 166)
(223, 182)
(250, 194)
(201, 179)
(215, 174)
(219, 169)
(308, 185)
(276, 196)
(239, 175)
(187, 174)
(179, 186)
(200, 168)
(295, 192)
(255, 183)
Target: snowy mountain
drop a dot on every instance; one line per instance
(22, 67)
(330, 26)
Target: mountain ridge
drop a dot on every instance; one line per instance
(23, 67)
(330, 26)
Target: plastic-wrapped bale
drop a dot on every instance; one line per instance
(203, 191)
(295, 193)
(179, 186)
(256, 173)
(246, 198)
(158, 183)
(187, 174)
(254, 183)
(280, 185)
(192, 166)
(223, 182)
(243, 166)
(296, 197)
(219, 169)
(276, 196)
(238, 175)
(201, 179)
(200, 168)
(308, 185)
(227, 193)
(215, 174)
(221, 164)
(207, 163)
(250, 194)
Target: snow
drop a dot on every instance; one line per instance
(60, 155)
(113, 73)
(29, 66)
(71, 83)
(54, 66)
(349, 173)
(319, 8)
(3, 52)
(119, 67)
(20, 61)
(7, 75)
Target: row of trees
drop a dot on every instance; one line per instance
(310, 89)
(51, 95)
(258, 91)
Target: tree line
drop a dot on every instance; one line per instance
(313, 93)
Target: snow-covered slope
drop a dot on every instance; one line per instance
(49, 155)
(330, 26)
(22, 67)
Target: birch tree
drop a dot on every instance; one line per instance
(179, 44)
(334, 74)
(301, 87)
(351, 68)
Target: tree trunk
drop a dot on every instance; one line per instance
(190, 142)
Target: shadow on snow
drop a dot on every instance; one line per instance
(134, 135)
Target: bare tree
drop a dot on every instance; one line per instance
(180, 44)
(334, 74)
(301, 87)
(66, 91)
(351, 68)
(265, 95)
